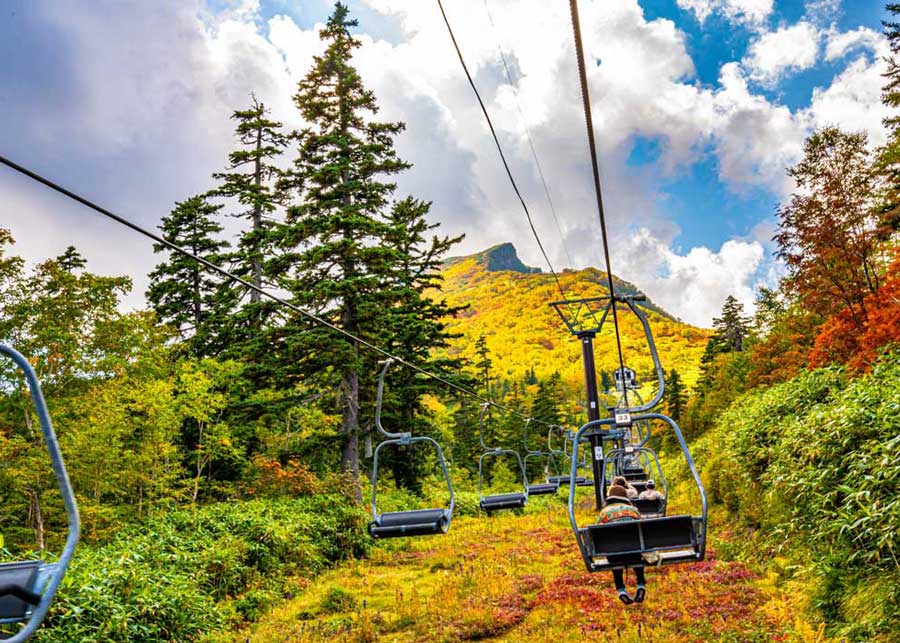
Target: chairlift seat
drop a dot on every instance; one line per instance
(418, 522)
(650, 541)
(543, 489)
(19, 589)
(640, 485)
(503, 501)
(583, 482)
(649, 507)
(558, 480)
(636, 476)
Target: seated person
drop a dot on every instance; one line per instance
(629, 488)
(618, 508)
(651, 493)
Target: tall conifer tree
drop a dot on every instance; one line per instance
(182, 292)
(335, 258)
(254, 180)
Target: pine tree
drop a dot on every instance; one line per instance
(182, 292)
(254, 180)
(887, 163)
(483, 364)
(413, 325)
(675, 396)
(334, 258)
(732, 327)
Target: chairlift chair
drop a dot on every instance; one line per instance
(502, 501)
(27, 588)
(611, 468)
(580, 481)
(547, 487)
(650, 541)
(415, 522)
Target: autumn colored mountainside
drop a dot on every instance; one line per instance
(508, 305)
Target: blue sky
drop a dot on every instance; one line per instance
(700, 105)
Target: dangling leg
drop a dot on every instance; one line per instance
(641, 590)
(619, 580)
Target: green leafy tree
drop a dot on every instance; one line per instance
(334, 257)
(182, 292)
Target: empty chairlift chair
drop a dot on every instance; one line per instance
(499, 502)
(651, 541)
(549, 486)
(27, 587)
(415, 522)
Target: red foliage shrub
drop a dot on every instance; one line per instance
(840, 341)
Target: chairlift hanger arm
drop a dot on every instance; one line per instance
(57, 571)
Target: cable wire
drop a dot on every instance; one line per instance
(500, 148)
(262, 291)
(595, 168)
(534, 153)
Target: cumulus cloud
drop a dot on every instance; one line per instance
(135, 106)
(697, 283)
(840, 43)
(776, 53)
(753, 12)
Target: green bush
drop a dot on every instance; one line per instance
(814, 465)
(188, 573)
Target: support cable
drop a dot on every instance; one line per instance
(499, 148)
(595, 168)
(262, 291)
(534, 153)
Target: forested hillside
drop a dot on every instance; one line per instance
(507, 303)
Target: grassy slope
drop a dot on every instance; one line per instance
(522, 331)
(518, 578)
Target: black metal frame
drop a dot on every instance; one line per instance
(548, 486)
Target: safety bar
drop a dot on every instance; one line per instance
(687, 454)
(58, 570)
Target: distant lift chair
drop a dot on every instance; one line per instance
(499, 502)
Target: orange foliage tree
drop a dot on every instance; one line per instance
(826, 232)
(841, 341)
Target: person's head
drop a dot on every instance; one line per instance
(620, 481)
(617, 493)
(651, 484)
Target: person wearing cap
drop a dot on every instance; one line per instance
(651, 492)
(618, 508)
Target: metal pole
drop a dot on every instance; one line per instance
(593, 409)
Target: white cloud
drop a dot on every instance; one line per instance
(776, 53)
(697, 283)
(753, 12)
(840, 43)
